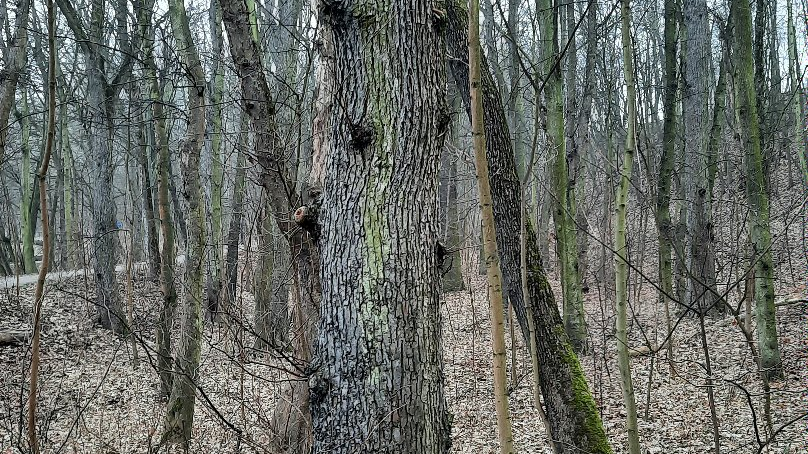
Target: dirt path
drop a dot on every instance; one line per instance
(30, 279)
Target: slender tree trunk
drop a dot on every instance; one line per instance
(180, 416)
(271, 286)
(579, 135)
(451, 273)
(746, 100)
(795, 74)
(621, 252)
(663, 192)
(72, 243)
(492, 269)
(143, 174)
(570, 408)
(27, 202)
(147, 199)
(179, 210)
(564, 204)
(167, 257)
(58, 227)
(33, 440)
(237, 207)
(216, 270)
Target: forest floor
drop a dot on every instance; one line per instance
(95, 398)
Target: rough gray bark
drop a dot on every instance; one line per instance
(697, 121)
(564, 208)
(570, 408)
(377, 385)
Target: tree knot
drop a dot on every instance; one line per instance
(361, 136)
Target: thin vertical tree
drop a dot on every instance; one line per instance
(666, 161)
(28, 203)
(216, 270)
(564, 209)
(746, 113)
(621, 252)
(103, 93)
(795, 79)
(180, 415)
(492, 268)
(42, 174)
(574, 418)
(159, 137)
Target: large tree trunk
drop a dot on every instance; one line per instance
(378, 385)
(105, 243)
(570, 408)
(699, 260)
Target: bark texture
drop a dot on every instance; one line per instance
(700, 261)
(167, 254)
(492, 269)
(663, 191)
(564, 209)
(377, 383)
(621, 258)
